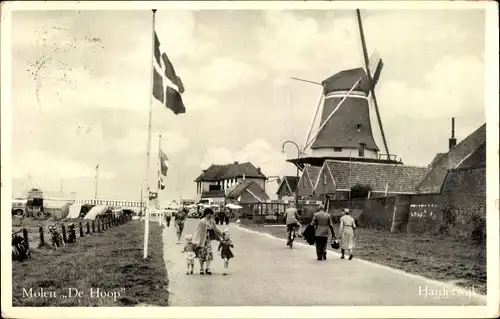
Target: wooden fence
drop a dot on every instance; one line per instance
(83, 228)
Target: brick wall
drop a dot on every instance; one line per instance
(464, 192)
(426, 213)
(372, 213)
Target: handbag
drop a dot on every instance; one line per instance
(309, 234)
(335, 244)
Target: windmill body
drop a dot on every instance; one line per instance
(348, 134)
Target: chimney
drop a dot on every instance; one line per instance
(452, 141)
(258, 170)
(236, 163)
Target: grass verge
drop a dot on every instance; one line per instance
(111, 261)
(441, 258)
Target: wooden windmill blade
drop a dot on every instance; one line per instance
(372, 80)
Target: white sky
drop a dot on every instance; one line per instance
(88, 102)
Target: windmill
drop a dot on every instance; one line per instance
(345, 131)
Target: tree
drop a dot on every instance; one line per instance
(360, 191)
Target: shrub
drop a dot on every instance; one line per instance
(478, 233)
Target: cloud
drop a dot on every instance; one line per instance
(259, 152)
(298, 42)
(43, 165)
(135, 142)
(224, 73)
(442, 93)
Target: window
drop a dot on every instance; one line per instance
(324, 178)
(361, 150)
(358, 127)
(337, 149)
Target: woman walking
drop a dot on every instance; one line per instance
(347, 227)
(206, 231)
(180, 219)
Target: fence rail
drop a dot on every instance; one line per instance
(84, 228)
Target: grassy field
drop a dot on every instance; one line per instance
(110, 261)
(446, 259)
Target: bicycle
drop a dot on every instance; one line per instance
(291, 233)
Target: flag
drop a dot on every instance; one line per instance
(162, 169)
(163, 163)
(161, 185)
(167, 85)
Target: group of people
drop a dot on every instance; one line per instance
(319, 229)
(199, 245)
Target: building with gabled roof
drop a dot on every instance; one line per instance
(248, 192)
(307, 181)
(456, 155)
(336, 178)
(214, 181)
(287, 187)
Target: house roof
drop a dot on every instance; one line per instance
(290, 182)
(400, 178)
(436, 159)
(475, 159)
(313, 173)
(456, 155)
(213, 194)
(250, 186)
(234, 170)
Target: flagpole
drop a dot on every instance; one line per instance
(96, 180)
(158, 182)
(159, 166)
(146, 220)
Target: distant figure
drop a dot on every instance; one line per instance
(189, 252)
(227, 214)
(224, 249)
(322, 222)
(347, 227)
(168, 216)
(180, 219)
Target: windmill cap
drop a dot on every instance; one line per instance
(345, 80)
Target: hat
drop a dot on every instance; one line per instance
(189, 237)
(346, 210)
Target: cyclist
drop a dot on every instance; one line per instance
(292, 222)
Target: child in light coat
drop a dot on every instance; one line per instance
(189, 252)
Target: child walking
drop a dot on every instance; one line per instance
(224, 249)
(189, 252)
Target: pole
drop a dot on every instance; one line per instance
(331, 114)
(297, 174)
(146, 220)
(158, 184)
(372, 90)
(312, 82)
(96, 180)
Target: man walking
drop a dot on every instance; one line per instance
(322, 223)
(168, 216)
